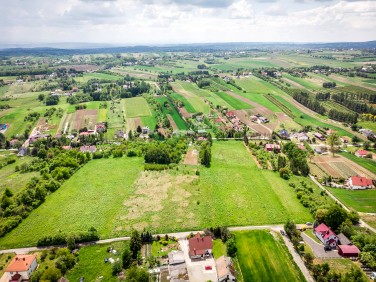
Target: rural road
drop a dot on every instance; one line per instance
(178, 235)
(361, 222)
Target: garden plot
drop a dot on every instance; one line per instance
(84, 118)
(191, 158)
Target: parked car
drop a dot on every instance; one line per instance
(308, 223)
(208, 267)
(327, 248)
(282, 232)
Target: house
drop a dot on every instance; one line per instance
(67, 148)
(263, 119)
(301, 136)
(320, 150)
(301, 147)
(176, 257)
(22, 152)
(273, 148)
(348, 250)
(326, 235)
(100, 127)
(253, 118)
(345, 139)
(284, 134)
(230, 114)
(359, 182)
(21, 267)
(200, 247)
(343, 240)
(319, 136)
(366, 132)
(225, 269)
(361, 153)
(90, 149)
(145, 130)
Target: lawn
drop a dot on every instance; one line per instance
(219, 248)
(235, 103)
(366, 163)
(91, 263)
(359, 200)
(264, 257)
(136, 107)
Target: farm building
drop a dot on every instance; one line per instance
(200, 247)
(348, 250)
(225, 270)
(176, 257)
(90, 149)
(230, 114)
(345, 139)
(326, 235)
(21, 267)
(301, 136)
(273, 148)
(361, 153)
(359, 182)
(319, 136)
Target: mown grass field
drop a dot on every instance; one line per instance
(92, 197)
(187, 104)
(359, 200)
(136, 107)
(235, 103)
(114, 196)
(264, 257)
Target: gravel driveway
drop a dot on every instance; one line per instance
(318, 249)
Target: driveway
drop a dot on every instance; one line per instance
(196, 269)
(318, 249)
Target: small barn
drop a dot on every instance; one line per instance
(348, 250)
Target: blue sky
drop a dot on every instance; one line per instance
(132, 22)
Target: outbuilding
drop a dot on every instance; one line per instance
(348, 250)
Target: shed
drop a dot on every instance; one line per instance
(348, 250)
(343, 240)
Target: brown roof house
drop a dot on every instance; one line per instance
(225, 269)
(20, 268)
(200, 247)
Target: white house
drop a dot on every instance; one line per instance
(359, 182)
(326, 235)
(21, 267)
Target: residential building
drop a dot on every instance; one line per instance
(359, 183)
(21, 267)
(319, 136)
(90, 149)
(145, 130)
(284, 134)
(273, 148)
(361, 153)
(326, 235)
(200, 247)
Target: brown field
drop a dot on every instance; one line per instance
(84, 118)
(135, 73)
(191, 158)
(339, 166)
(172, 122)
(243, 116)
(184, 113)
(133, 123)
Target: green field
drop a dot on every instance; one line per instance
(235, 103)
(136, 107)
(359, 200)
(173, 112)
(264, 257)
(187, 104)
(87, 76)
(91, 197)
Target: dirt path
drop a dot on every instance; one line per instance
(191, 158)
(253, 157)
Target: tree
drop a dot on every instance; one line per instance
(71, 242)
(354, 275)
(126, 258)
(51, 274)
(135, 274)
(366, 145)
(309, 259)
(231, 247)
(135, 243)
(333, 140)
(41, 97)
(284, 172)
(205, 154)
(335, 216)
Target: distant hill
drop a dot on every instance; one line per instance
(69, 48)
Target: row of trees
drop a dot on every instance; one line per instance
(343, 116)
(304, 99)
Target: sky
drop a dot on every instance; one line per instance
(131, 22)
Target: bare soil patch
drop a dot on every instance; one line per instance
(184, 113)
(84, 118)
(191, 158)
(172, 122)
(133, 123)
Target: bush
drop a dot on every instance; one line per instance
(118, 153)
(284, 173)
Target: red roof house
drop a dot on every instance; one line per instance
(21, 267)
(359, 182)
(361, 153)
(326, 235)
(230, 114)
(348, 250)
(273, 147)
(200, 247)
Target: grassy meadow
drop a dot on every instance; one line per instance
(264, 257)
(359, 200)
(136, 107)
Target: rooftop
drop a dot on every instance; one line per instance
(20, 263)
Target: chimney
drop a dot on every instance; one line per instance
(23, 259)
